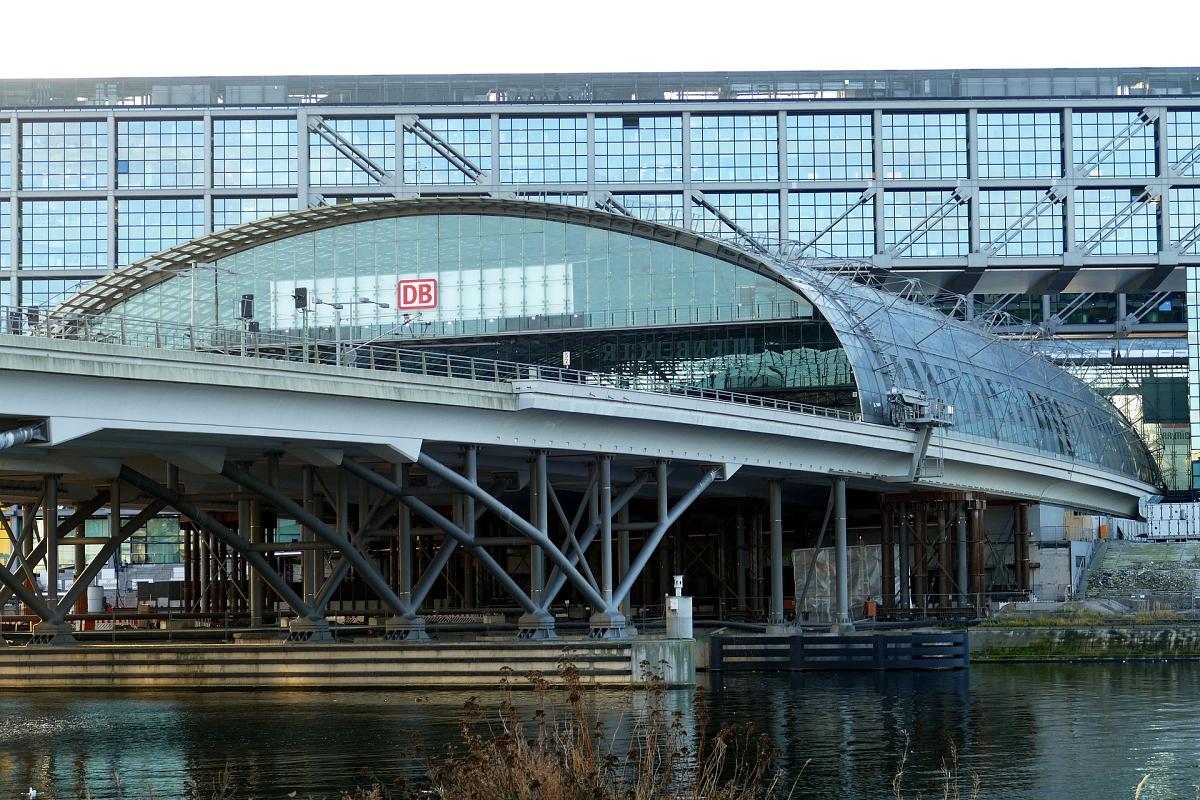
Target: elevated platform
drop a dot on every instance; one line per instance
(353, 665)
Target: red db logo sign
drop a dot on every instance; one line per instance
(416, 294)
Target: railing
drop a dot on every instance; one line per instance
(156, 334)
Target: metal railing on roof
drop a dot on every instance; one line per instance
(383, 357)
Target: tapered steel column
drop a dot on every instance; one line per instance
(887, 548)
(978, 537)
(404, 547)
(943, 545)
(960, 545)
(255, 590)
(50, 532)
(740, 560)
(775, 503)
(541, 516)
(606, 544)
(623, 554)
(905, 566)
(843, 560)
(920, 574)
(471, 473)
(309, 555)
(1021, 547)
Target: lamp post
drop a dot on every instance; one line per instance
(337, 320)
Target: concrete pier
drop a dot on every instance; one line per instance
(347, 665)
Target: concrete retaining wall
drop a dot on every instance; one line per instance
(1092, 642)
(342, 666)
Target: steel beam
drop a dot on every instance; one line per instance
(215, 528)
(508, 516)
(366, 570)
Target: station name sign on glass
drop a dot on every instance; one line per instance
(416, 294)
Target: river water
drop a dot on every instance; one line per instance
(1027, 731)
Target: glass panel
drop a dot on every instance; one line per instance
(1100, 309)
(470, 137)
(160, 153)
(757, 213)
(1096, 209)
(231, 211)
(853, 235)
(1020, 145)
(48, 293)
(1185, 218)
(1183, 142)
(925, 224)
(731, 147)
(5, 234)
(666, 209)
(254, 152)
(1020, 223)
(543, 150)
(64, 233)
(1112, 144)
(373, 138)
(5, 156)
(829, 147)
(633, 149)
(147, 226)
(924, 146)
(64, 155)
(1169, 309)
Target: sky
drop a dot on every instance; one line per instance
(116, 38)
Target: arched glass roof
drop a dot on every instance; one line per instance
(498, 259)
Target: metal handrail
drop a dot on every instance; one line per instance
(156, 334)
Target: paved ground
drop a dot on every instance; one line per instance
(1131, 567)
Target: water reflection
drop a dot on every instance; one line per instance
(1028, 731)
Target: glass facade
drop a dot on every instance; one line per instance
(1113, 144)
(543, 150)
(1020, 222)
(636, 149)
(160, 154)
(470, 137)
(829, 147)
(147, 226)
(231, 211)
(5, 156)
(64, 155)
(844, 220)
(924, 146)
(809, 164)
(906, 215)
(1135, 235)
(631, 305)
(254, 152)
(1020, 144)
(734, 147)
(757, 213)
(64, 233)
(373, 138)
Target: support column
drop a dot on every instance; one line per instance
(1021, 547)
(740, 560)
(905, 567)
(538, 624)
(409, 629)
(960, 549)
(919, 573)
(308, 555)
(842, 623)
(623, 556)
(943, 544)
(775, 620)
(978, 556)
(887, 547)
(46, 632)
(255, 591)
(608, 622)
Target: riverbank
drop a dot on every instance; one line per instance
(1116, 641)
